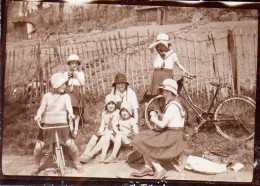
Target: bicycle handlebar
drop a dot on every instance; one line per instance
(189, 76)
(56, 127)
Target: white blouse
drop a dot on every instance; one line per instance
(170, 59)
(175, 114)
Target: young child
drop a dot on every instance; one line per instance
(125, 130)
(105, 133)
(76, 82)
(55, 109)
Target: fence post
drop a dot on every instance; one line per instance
(196, 65)
(234, 63)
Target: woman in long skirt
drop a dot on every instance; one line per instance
(163, 60)
(163, 145)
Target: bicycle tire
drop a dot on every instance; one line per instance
(60, 160)
(158, 104)
(242, 110)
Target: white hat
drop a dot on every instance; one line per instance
(73, 57)
(109, 98)
(128, 106)
(58, 79)
(161, 38)
(171, 85)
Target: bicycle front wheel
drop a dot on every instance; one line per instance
(60, 160)
(235, 118)
(158, 104)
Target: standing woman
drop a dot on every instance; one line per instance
(122, 91)
(76, 82)
(164, 59)
(162, 146)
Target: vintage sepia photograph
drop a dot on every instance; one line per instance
(138, 92)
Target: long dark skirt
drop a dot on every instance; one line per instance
(158, 76)
(76, 96)
(162, 146)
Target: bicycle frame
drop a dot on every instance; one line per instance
(202, 114)
(58, 146)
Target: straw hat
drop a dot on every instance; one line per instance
(73, 57)
(120, 78)
(58, 79)
(128, 106)
(161, 38)
(170, 85)
(109, 98)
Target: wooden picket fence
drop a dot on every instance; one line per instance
(228, 56)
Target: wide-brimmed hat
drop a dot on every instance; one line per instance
(58, 79)
(110, 98)
(128, 106)
(120, 78)
(161, 38)
(73, 57)
(170, 85)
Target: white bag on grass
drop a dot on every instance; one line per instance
(202, 165)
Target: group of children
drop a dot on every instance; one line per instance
(120, 116)
(64, 103)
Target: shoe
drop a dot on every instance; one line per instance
(160, 175)
(35, 171)
(110, 159)
(79, 168)
(85, 158)
(145, 171)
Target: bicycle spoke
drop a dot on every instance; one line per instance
(236, 116)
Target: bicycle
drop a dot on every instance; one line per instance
(233, 117)
(58, 157)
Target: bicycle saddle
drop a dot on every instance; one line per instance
(216, 84)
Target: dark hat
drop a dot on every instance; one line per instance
(120, 78)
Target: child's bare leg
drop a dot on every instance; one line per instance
(117, 145)
(37, 156)
(76, 124)
(91, 144)
(74, 152)
(105, 140)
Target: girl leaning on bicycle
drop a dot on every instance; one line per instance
(164, 60)
(55, 109)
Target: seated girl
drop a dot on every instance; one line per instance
(125, 129)
(105, 133)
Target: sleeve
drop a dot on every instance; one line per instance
(175, 57)
(171, 111)
(102, 125)
(115, 125)
(68, 104)
(81, 76)
(134, 126)
(133, 98)
(43, 105)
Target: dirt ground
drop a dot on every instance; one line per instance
(22, 166)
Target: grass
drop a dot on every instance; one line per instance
(20, 131)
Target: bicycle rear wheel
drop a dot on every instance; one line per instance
(157, 104)
(60, 160)
(236, 118)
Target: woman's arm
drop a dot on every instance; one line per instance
(136, 115)
(161, 124)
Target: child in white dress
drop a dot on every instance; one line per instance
(105, 133)
(125, 130)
